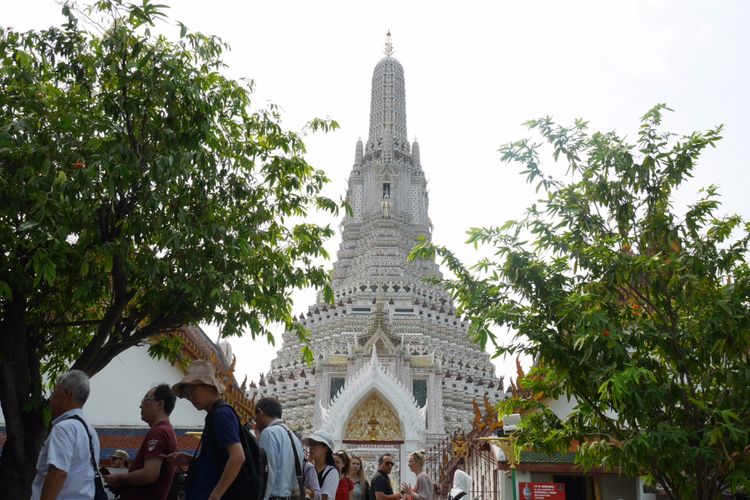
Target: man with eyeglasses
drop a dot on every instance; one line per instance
(380, 487)
(150, 476)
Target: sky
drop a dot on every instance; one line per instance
(474, 74)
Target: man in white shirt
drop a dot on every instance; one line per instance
(64, 470)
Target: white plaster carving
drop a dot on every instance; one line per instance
(374, 377)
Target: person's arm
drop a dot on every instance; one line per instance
(311, 481)
(147, 475)
(231, 469)
(53, 483)
(63, 439)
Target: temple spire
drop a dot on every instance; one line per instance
(415, 153)
(388, 48)
(358, 152)
(388, 104)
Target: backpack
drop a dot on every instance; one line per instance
(250, 483)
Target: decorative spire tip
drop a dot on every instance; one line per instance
(388, 49)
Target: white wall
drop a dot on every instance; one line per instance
(116, 391)
(562, 406)
(640, 495)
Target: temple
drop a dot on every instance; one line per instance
(394, 368)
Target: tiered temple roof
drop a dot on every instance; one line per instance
(382, 301)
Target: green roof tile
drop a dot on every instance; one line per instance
(533, 457)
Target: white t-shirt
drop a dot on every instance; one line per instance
(330, 483)
(67, 448)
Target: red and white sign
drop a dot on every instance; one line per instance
(541, 491)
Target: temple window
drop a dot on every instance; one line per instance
(336, 384)
(419, 389)
(386, 190)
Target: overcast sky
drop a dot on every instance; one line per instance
(473, 75)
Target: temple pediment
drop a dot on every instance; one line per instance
(374, 420)
(374, 381)
(382, 344)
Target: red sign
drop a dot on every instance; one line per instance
(541, 491)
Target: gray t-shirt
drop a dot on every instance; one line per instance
(423, 490)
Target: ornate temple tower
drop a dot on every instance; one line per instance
(394, 368)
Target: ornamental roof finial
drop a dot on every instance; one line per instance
(388, 48)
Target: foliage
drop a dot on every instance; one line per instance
(638, 314)
(141, 190)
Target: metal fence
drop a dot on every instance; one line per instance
(472, 456)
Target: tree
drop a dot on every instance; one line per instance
(141, 192)
(638, 313)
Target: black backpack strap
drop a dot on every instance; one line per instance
(297, 462)
(460, 495)
(322, 478)
(91, 443)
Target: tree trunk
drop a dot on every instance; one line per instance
(21, 401)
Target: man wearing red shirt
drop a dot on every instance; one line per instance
(150, 476)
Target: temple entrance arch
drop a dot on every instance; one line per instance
(373, 414)
(374, 420)
(374, 428)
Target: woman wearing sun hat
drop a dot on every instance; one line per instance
(320, 445)
(220, 456)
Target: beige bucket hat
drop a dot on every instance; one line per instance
(200, 372)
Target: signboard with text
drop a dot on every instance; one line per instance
(541, 491)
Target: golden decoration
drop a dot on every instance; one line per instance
(460, 445)
(491, 421)
(374, 420)
(478, 423)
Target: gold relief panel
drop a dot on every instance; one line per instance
(374, 420)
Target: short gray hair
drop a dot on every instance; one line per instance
(77, 382)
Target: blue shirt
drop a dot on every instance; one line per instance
(212, 457)
(282, 473)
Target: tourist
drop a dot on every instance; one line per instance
(284, 452)
(461, 486)
(380, 487)
(320, 447)
(120, 459)
(423, 489)
(150, 476)
(312, 486)
(346, 486)
(357, 475)
(220, 456)
(64, 469)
